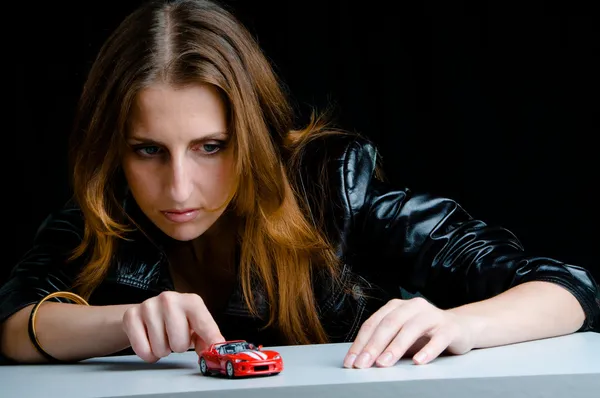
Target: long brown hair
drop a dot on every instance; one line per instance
(187, 42)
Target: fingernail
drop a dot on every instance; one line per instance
(362, 360)
(349, 361)
(420, 357)
(385, 359)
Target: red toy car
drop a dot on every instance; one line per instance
(239, 358)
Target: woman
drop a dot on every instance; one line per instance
(200, 214)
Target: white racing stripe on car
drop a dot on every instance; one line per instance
(255, 355)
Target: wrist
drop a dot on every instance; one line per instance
(113, 321)
(474, 325)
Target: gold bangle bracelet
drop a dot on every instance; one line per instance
(32, 333)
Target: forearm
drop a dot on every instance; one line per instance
(529, 311)
(66, 331)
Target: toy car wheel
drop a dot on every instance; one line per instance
(203, 367)
(229, 370)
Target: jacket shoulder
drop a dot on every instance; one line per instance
(333, 178)
(62, 229)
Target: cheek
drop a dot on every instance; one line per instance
(219, 179)
(138, 178)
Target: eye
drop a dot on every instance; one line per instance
(210, 148)
(149, 150)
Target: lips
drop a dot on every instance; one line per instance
(180, 216)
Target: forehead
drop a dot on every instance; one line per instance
(162, 108)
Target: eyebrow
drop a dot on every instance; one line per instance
(207, 137)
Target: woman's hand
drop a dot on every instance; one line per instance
(170, 322)
(404, 326)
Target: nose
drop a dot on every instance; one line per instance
(180, 185)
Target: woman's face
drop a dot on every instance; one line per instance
(178, 163)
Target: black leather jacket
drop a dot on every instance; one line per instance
(391, 240)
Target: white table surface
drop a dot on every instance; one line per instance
(567, 366)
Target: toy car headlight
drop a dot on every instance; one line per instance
(240, 360)
(277, 357)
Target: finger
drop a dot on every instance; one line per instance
(387, 331)
(155, 325)
(366, 331)
(176, 324)
(416, 347)
(198, 344)
(201, 321)
(415, 328)
(138, 338)
(440, 340)
(193, 338)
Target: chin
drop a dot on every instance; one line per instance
(183, 232)
(183, 237)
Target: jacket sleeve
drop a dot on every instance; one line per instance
(44, 268)
(431, 245)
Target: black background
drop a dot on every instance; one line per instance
(494, 107)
